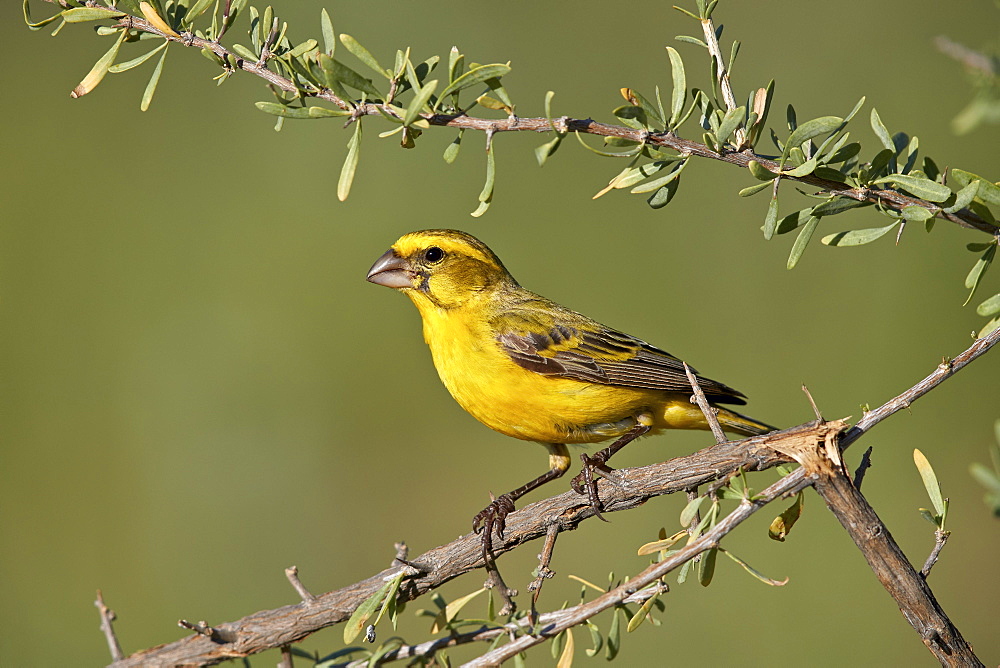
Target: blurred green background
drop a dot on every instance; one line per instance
(200, 389)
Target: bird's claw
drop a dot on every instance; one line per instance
(586, 483)
(493, 518)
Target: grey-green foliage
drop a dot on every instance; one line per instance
(413, 95)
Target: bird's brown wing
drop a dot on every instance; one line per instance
(566, 344)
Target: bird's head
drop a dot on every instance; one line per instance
(446, 268)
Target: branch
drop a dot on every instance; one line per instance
(887, 198)
(891, 567)
(269, 629)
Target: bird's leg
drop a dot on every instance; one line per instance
(585, 482)
(494, 516)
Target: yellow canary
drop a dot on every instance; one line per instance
(532, 369)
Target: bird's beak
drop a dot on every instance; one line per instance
(392, 271)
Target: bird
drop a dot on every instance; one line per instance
(534, 370)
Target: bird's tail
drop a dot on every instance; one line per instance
(741, 424)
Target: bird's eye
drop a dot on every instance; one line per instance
(434, 254)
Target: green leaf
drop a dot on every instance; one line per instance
(801, 241)
(444, 618)
(963, 197)
(614, 643)
(37, 25)
(771, 217)
(919, 187)
(100, 68)
(662, 197)
(753, 190)
(988, 192)
(930, 482)
(807, 167)
(364, 611)
(679, 93)
(837, 205)
(691, 510)
(475, 76)
(760, 172)
(276, 109)
(989, 307)
(754, 572)
(336, 71)
(857, 237)
(84, 14)
(197, 9)
(135, 62)
(244, 53)
(691, 40)
(917, 214)
(595, 638)
(486, 196)
(808, 130)
(451, 150)
(793, 221)
(329, 36)
(730, 122)
(348, 170)
(978, 269)
(656, 184)
(363, 54)
(881, 132)
(154, 80)
(303, 48)
(639, 617)
(706, 567)
(419, 100)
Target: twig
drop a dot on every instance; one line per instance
(722, 74)
(812, 402)
(972, 59)
(286, 657)
(543, 572)
(107, 617)
(940, 538)
(292, 573)
(711, 414)
(887, 198)
(866, 463)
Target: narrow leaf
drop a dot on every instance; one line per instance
(857, 237)
(690, 510)
(475, 76)
(451, 150)
(84, 14)
(808, 130)
(663, 543)
(837, 205)
(881, 132)
(754, 572)
(639, 617)
(363, 54)
(963, 197)
(978, 269)
(99, 69)
(486, 196)
(753, 190)
(988, 192)
(451, 611)
(930, 481)
(799, 247)
(154, 80)
(989, 307)
(155, 20)
(348, 170)
(135, 62)
(771, 217)
(363, 612)
(329, 36)
(706, 567)
(920, 187)
(730, 122)
(566, 658)
(418, 102)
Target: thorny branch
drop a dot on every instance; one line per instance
(890, 199)
(269, 629)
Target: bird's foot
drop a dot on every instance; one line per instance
(586, 482)
(493, 518)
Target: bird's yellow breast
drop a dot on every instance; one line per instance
(521, 403)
